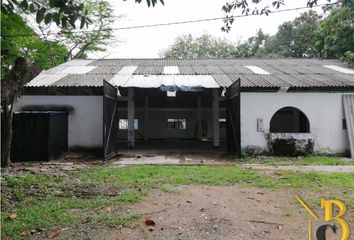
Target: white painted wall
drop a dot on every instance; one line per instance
(85, 121)
(324, 111)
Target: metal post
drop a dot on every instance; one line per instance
(216, 126)
(131, 113)
(199, 117)
(146, 119)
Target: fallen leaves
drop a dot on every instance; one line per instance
(150, 222)
(86, 220)
(34, 231)
(13, 216)
(54, 234)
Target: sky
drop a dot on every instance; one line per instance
(148, 42)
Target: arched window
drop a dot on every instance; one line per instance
(289, 120)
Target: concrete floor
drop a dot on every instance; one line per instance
(171, 146)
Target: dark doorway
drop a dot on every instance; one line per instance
(233, 125)
(289, 120)
(110, 121)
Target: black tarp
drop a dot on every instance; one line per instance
(39, 135)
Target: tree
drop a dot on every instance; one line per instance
(26, 44)
(295, 38)
(15, 74)
(249, 7)
(204, 46)
(348, 57)
(61, 12)
(95, 38)
(335, 35)
(12, 84)
(254, 46)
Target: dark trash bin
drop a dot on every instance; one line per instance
(39, 135)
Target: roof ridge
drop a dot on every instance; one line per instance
(188, 59)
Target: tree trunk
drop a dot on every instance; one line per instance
(6, 133)
(12, 84)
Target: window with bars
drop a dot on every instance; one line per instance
(176, 123)
(123, 124)
(222, 123)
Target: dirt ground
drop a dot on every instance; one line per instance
(213, 212)
(200, 212)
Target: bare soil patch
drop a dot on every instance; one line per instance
(215, 212)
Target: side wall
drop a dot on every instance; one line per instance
(324, 111)
(85, 121)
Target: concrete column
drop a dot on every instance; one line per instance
(199, 117)
(131, 114)
(216, 125)
(146, 119)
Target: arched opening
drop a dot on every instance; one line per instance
(289, 120)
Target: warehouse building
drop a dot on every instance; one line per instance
(278, 106)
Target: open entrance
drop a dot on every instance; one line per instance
(182, 122)
(174, 117)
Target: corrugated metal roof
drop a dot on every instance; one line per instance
(123, 75)
(282, 72)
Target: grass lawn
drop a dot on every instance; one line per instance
(99, 195)
(308, 160)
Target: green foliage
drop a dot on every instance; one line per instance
(293, 39)
(309, 35)
(62, 13)
(30, 45)
(98, 36)
(348, 57)
(204, 46)
(95, 38)
(249, 7)
(58, 11)
(253, 47)
(335, 35)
